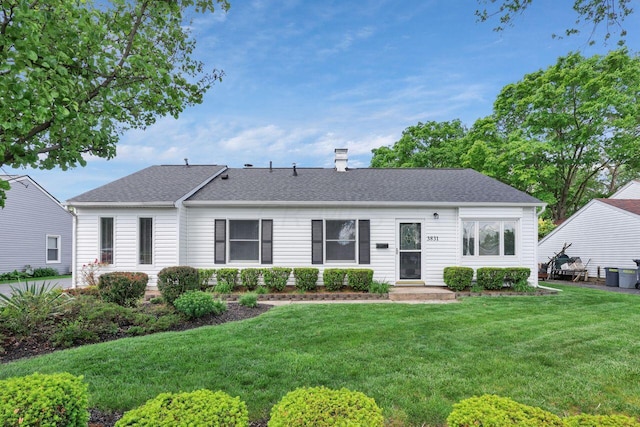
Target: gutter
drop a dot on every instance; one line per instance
(343, 203)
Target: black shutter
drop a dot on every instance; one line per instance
(220, 241)
(364, 242)
(267, 241)
(316, 241)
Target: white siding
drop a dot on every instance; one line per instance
(629, 191)
(608, 236)
(165, 238)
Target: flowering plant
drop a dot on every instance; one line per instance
(89, 272)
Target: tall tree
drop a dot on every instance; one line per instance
(431, 144)
(74, 74)
(610, 13)
(570, 126)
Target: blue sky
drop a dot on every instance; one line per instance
(304, 77)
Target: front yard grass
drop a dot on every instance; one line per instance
(578, 351)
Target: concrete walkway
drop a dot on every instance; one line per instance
(592, 285)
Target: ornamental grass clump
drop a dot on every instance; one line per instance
(196, 408)
(323, 407)
(44, 400)
(195, 304)
(492, 410)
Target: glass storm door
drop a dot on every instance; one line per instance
(410, 251)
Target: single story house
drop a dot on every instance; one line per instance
(35, 229)
(604, 233)
(405, 224)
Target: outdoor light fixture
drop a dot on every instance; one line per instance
(435, 215)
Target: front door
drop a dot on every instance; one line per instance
(410, 250)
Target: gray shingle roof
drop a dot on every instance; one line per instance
(359, 185)
(155, 184)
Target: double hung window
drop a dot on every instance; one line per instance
(243, 240)
(106, 240)
(53, 249)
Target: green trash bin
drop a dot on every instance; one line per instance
(627, 278)
(611, 276)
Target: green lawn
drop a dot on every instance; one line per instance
(574, 352)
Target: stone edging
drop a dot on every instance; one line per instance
(312, 297)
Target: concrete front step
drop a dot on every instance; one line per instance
(413, 293)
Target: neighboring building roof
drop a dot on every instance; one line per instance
(444, 186)
(629, 205)
(631, 190)
(20, 178)
(163, 185)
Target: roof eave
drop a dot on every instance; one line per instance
(372, 203)
(154, 204)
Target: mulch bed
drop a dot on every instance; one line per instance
(37, 344)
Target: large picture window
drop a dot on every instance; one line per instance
(243, 240)
(53, 249)
(145, 241)
(106, 240)
(488, 238)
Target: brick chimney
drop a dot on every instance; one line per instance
(341, 159)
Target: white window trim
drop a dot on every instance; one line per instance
(476, 237)
(153, 240)
(59, 248)
(228, 242)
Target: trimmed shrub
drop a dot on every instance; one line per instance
(585, 420)
(228, 276)
(276, 278)
(174, 281)
(333, 279)
(249, 300)
(44, 272)
(249, 278)
(321, 406)
(195, 304)
(458, 278)
(44, 400)
(196, 408)
(492, 410)
(359, 279)
(122, 288)
(205, 275)
(516, 276)
(306, 278)
(490, 278)
(377, 287)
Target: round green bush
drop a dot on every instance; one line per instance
(44, 400)
(174, 281)
(458, 278)
(333, 279)
(122, 288)
(585, 420)
(275, 279)
(321, 406)
(195, 304)
(200, 408)
(492, 410)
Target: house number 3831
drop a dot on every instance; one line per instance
(432, 238)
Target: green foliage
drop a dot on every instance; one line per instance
(174, 281)
(44, 272)
(378, 287)
(227, 276)
(545, 226)
(306, 278)
(72, 333)
(195, 304)
(205, 275)
(224, 288)
(44, 400)
(75, 75)
(517, 277)
(276, 278)
(490, 278)
(29, 307)
(586, 420)
(261, 290)
(322, 407)
(359, 279)
(458, 278)
(491, 410)
(333, 279)
(123, 288)
(249, 300)
(249, 278)
(193, 409)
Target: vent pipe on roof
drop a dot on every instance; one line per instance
(186, 162)
(270, 166)
(295, 172)
(341, 159)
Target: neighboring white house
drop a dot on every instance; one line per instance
(405, 224)
(604, 233)
(35, 229)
